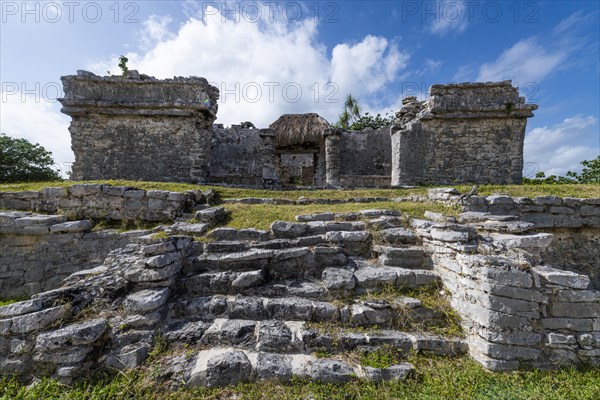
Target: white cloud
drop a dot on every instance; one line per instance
(450, 16)
(38, 121)
(560, 148)
(526, 61)
(156, 29)
(283, 61)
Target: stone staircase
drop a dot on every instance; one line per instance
(262, 303)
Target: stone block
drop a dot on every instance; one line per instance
(338, 279)
(76, 334)
(577, 296)
(568, 279)
(538, 240)
(272, 366)
(54, 192)
(574, 310)
(37, 320)
(573, 324)
(146, 300)
(20, 308)
(86, 189)
(72, 227)
(331, 371)
(547, 200)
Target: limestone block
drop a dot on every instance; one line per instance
(76, 334)
(37, 320)
(273, 336)
(248, 279)
(553, 276)
(538, 240)
(331, 371)
(72, 227)
(230, 331)
(146, 300)
(274, 366)
(162, 260)
(20, 308)
(338, 279)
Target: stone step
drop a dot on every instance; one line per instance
(377, 277)
(293, 230)
(284, 336)
(396, 236)
(224, 366)
(403, 310)
(288, 263)
(412, 257)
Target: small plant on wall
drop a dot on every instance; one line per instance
(123, 65)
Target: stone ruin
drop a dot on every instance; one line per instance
(142, 128)
(522, 275)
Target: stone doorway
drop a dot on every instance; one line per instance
(297, 168)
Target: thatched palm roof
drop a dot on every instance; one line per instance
(299, 129)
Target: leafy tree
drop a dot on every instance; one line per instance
(589, 174)
(22, 161)
(350, 118)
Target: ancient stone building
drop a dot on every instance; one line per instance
(467, 132)
(139, 127)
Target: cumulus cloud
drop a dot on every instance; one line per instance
(560, 148)
(525, 61)
(266, 67)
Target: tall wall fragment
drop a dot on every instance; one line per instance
(467, 132)
(140, 127)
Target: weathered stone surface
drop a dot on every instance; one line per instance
(393, 372)
(274, 367)
(248, 279)
(37, 320)
(146, 300)
(397, 236)
(273, 336)
(77, 334)
(162, 260)
(221, 369)
(370, 277)
(538, 240)
(331, 371)
(553, 276)
(288, 229)
(70, 227)
(338, 279)
(20, 308)
(230, 331)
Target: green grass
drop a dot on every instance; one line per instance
(261, 216)
(436, 378)
(569, 190)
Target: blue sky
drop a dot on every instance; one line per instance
(292, 57)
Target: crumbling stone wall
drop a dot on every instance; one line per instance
(366, 157)
(467, 132)
(39, 251)
(235, 155)
(138, 127)
(101, 201)
(527, 291)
